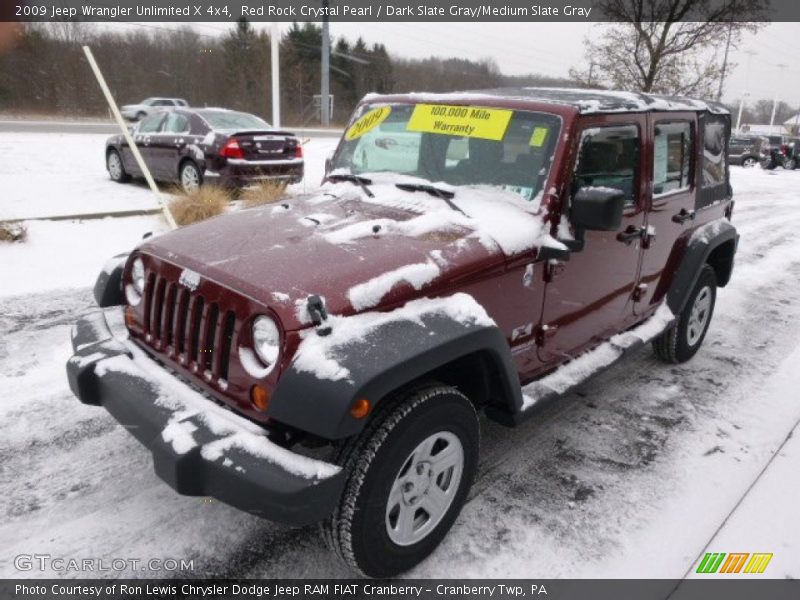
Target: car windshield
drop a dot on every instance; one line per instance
(233, 121)
(458, 145)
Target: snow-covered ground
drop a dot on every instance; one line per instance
(50, 175)
(634, 475)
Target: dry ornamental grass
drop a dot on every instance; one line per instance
(13, 232)
(201, 204)
(264, 192)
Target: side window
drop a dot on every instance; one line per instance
(672, 157)
(714, 159)
(609, 157)
(150, 124)
(176, 123)
(162, 103)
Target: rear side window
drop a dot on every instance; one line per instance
(609, 157)
(713, 159)
(176, 123)
(672, 157)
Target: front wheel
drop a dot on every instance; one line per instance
(115, 168)
(408, 475)
(790, 164)
(682, 341)
(749, 162)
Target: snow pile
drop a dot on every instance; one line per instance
(186, 404)
(586, 365)
(497, 218)
(369, 294)
(318, 355)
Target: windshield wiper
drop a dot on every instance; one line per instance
(445, 195)
(357, 179)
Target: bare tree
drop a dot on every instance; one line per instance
(667, 46)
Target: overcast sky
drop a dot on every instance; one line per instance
(551, 49)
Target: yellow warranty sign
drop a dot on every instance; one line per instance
(467, 121)
(367, 122)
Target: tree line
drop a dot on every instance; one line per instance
(46, 72)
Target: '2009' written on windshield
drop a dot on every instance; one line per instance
(468, 121)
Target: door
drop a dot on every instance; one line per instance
(143, 136)
(672, 199)
(167, 146)
(590, 296)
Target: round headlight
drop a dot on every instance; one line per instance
(137, 275)
(266, 340)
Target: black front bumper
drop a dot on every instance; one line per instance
(105, 371)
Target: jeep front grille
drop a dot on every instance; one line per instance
(187, 327)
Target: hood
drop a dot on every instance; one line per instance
(358, 253)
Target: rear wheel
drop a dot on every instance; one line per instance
(190, 177)
(408, 475)
(749, 162)
(790, 164)
(115, 168)
(682, 341)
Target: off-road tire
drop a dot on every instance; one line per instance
(357, 531)
(673, 345)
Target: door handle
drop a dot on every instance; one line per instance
(683, 216)
(631, 234)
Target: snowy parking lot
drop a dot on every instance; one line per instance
(636, 474)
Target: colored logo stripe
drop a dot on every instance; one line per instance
(711, 562)
(758, 563)
(714, 562)
(734, 562)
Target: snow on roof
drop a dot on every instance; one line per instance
(585, 100)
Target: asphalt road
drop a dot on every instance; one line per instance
(47, 126)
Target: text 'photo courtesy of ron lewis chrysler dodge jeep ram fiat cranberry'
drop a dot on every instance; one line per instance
(403, 305)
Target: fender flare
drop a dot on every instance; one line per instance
(703, 242)
(108, 287)
(387, 359)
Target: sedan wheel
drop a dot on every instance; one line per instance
(115, 169)
(190, 177)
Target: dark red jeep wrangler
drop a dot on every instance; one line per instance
(325, 358)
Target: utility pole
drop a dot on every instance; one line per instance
(739, 118)
(725, 62)
(276, 78)
(781, 68)
(325, 90)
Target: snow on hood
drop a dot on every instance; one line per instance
(357, 251)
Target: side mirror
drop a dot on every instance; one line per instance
(597, 208)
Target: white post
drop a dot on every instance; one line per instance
(276, 78)
(774, 108)
(128, 138)
(739, 118)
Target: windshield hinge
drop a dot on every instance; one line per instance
(316, 310)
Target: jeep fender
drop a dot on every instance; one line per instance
(390, 357)
(108, 287)
(713, 243)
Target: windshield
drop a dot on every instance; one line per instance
(223, 119)
(458, 145)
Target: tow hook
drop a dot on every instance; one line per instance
(316, 309)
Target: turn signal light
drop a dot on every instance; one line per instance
(360, 408)
(130, 318)
(259, 397)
